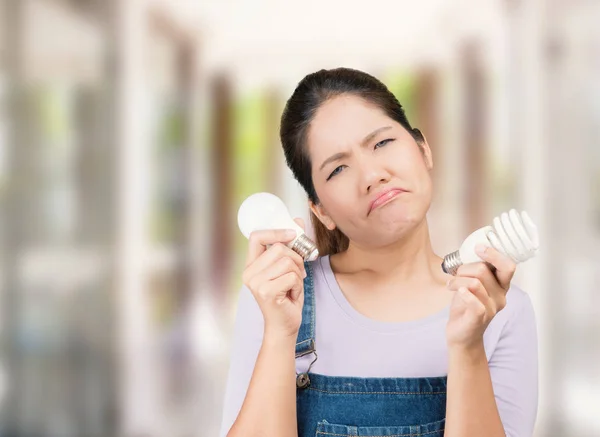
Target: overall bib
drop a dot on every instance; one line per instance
(349, 406)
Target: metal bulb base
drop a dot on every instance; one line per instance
(306, 248)
(451, 263)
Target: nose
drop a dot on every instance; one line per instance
(374, 174)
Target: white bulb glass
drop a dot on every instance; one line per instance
(512, 234)
(263, 211)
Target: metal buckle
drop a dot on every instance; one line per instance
(302, 379)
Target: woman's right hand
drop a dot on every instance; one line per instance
(275, 276)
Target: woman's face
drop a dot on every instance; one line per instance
(358, 153)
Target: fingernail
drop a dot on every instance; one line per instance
(448, 282)
(290, 233)
(480, 249)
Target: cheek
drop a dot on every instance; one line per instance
(412, 168)
(341, 208)
(422, 192)
(340, 204)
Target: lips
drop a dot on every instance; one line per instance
(385, 196)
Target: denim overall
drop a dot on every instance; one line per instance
(350, 406)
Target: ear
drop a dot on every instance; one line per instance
(322, 215)
(427, 156)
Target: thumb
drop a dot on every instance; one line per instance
(300, 222)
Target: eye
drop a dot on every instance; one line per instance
(336, 171)
(383, 143)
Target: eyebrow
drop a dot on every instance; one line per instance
(364, 142)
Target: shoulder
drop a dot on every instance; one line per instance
(518, 304)
(516, 321)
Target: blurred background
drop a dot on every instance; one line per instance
(131, 130)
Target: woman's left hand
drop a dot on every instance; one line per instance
(480, 294)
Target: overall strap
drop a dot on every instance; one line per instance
(305, 344)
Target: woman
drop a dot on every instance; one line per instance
(373, 338)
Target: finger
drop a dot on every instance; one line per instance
(292, 285)
(476, 307)
(279, 268)
(271, 256)
(505, 266)
(474, 286)
(279, 288)
(297, 291)
(259, 240)
(481, 271)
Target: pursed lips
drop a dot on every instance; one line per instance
(384, 197)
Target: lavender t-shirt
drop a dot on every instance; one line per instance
(351, 344)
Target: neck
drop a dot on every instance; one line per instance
(409, 260)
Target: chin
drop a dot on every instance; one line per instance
(398, 219)
(385, 237)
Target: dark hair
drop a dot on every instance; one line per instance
(312, 91)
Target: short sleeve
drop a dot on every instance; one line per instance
(514, 368)
(246, 344)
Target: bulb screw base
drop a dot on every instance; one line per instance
(305, 247)
(451, 263)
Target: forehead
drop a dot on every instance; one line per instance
(341, 123)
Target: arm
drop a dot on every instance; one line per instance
(514, 369)
(270, 405)
(470, 406)
(499, 397)
(262, 372)
(260, 396)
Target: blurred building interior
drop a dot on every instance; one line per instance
(131, 130)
